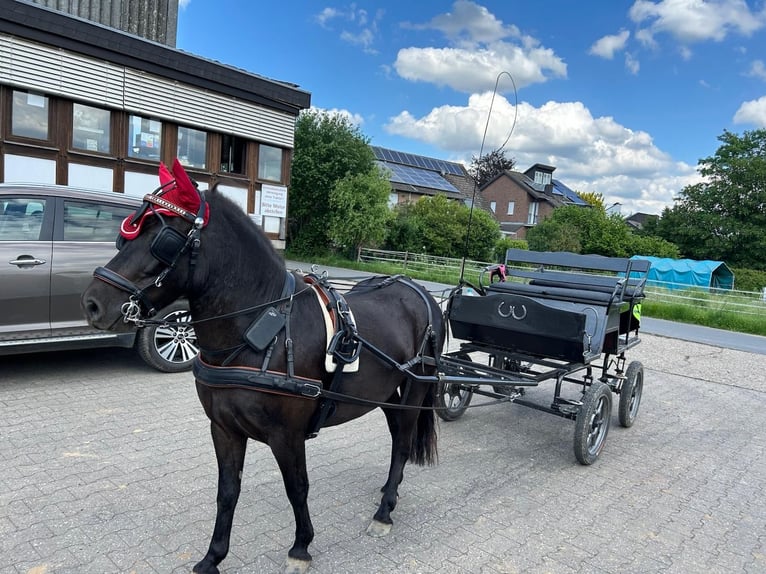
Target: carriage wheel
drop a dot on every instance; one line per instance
(630, 394)
(452, 399)
(592, 423)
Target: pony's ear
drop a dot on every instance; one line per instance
(183, 181)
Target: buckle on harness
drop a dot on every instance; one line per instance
(311, 390)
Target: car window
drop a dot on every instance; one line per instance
(21, 218)
(87, 221)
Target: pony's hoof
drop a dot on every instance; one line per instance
(378, 529)
(295, 566)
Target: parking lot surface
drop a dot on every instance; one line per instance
(107, 467)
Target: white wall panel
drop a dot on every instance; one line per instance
(20, 168)
(91, 177)
(139, 184)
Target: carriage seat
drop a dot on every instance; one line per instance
(587, 279)
(552, 290)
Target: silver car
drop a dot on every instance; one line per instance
(51, 239)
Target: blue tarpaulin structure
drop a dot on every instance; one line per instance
(683, 273)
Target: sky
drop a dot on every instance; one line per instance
(623, 98)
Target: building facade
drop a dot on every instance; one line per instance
(85, 105)
(155, 20)
(519, 201)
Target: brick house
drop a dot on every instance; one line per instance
(520, 201)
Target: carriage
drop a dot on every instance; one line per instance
(555, 316)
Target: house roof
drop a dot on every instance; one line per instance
(638, 220)
(555, 193)
(424, 175)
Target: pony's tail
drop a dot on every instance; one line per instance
(424, 451)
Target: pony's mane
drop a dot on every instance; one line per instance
(244, 229)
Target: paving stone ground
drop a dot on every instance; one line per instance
(107, 467)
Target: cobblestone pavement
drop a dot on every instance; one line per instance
(107, 467)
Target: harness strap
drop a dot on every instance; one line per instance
(253, 378)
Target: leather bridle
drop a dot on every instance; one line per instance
(167, 247)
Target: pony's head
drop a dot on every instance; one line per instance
(158, 247)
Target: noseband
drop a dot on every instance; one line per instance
(167, 248)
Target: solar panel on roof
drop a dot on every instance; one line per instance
(419, 177)
(414, 160)
(568, 193)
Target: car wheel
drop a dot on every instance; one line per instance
(170, 347)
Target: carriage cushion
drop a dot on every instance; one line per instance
(553, 292)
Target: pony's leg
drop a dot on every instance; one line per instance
(401, 425)
(291, 458)
(230, 453)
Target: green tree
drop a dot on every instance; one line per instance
(592, 198)
(328, 148)
(437, 226)
(486, 167)
(359, 210)
(584, 230)
(724, 217)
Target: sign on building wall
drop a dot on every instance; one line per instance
(274, 200)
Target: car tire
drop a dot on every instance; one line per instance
(170, 347)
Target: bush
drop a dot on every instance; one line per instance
(749, 279)
(504, 244)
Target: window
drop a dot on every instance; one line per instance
(233, 154)
(144, 138)
(90, 128)
(532, 218)
(21, 219)
(493, 206)
(542, 177)
(192, 147)
(511, 207)
(29, 115)
(269, 163)
(393, 199)
(85, 221)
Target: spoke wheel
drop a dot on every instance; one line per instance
(169, 348)
(592, 423)
(630, 394)
(452, 399)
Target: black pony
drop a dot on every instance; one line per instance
(263, 372)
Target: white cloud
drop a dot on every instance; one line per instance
(757, 70)
(606, 47)
(468, 22)
(696, 20)
(358, 28)
(326, 15)
(590, 154)
(632, 64)
(752, 112)
(182, 4)
(481, 47)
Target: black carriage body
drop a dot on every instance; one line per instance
(555, 305)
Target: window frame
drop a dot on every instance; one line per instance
(205, 153)
(9, 114)
(132, 136)
(110, 131)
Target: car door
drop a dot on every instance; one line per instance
(84, 239)
(25, 266)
